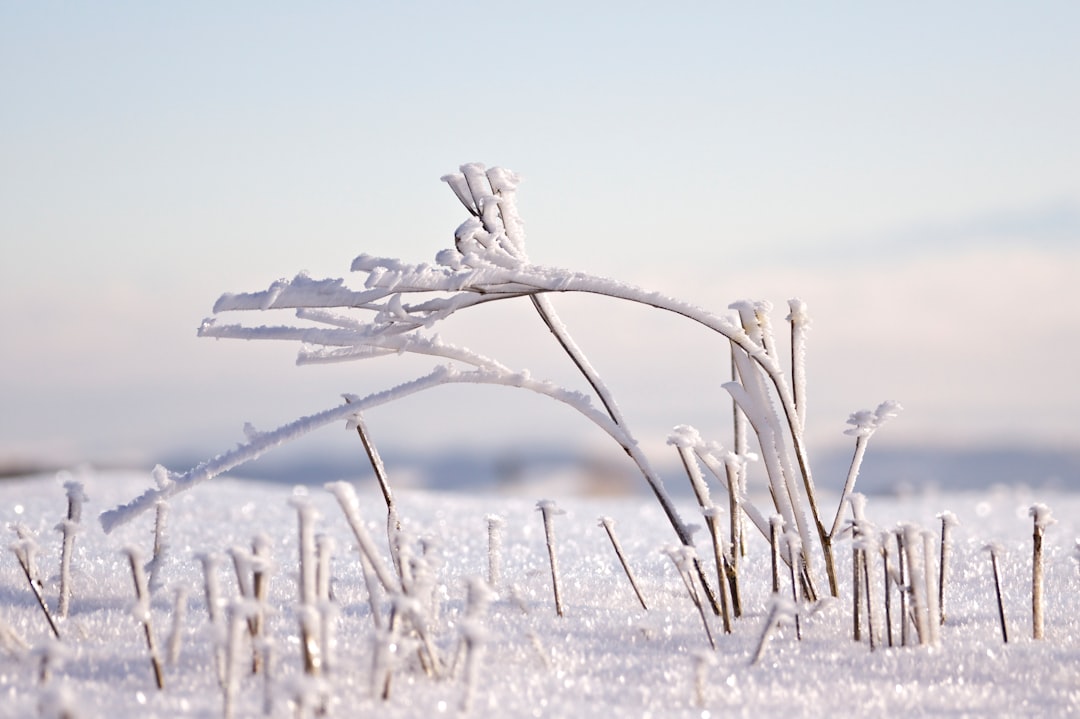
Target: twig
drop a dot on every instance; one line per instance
(609, 526)
(70, 527)
(1040, 515)
(683, 558)
(393, 523)
(142, 612)
(994, 550)
(548, 509)
(948, 521)
(25, 549)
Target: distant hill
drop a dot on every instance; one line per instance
(885, 470)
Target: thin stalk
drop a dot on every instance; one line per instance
(555, 325)
(917, 582)
(350, 506)
(712, 520)
(776, 523)
(903, 583)
(948, 520)
(309, 633)
(735, 489)
(933, 623)
(548, 510)
(994, 550)
(142, 604)
(393, 523)
(849, 483)
(76, 497)
(1040, 515)
(161, 518)
(682, 558)
(883, 548)
(25, 549)
(795, 550)
(856, 592)
(779, 610)
(609, 526)
(864, 541)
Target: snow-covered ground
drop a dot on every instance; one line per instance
(606, 657)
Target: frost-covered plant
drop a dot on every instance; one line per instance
(609, 527)
(26, 549)
(684, 439)
(161, 545)
(684, 558)
(780, 610)
(141, 611)
(995, 550)
(69, 527)
(1041, 519)
(933, 610)
(948, 521)
(864, 546)
(548, 509)
(309, 630)
(917, 588)
(400, 304)
(863, 425)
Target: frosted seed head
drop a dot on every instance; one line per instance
(548, 507)
(798, 315)
(1041, 514)
(685, 437)
(949, 519)
(161, 477)
(75, 490)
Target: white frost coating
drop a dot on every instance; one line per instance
(748, 319)
(720, 472)
(756, 403)
(268, 440)
(461, 189)
(1041, 514)
(800, 323)
(684, 436)
(949, 519)
(301, 291)
(865, 423)
(762, 308)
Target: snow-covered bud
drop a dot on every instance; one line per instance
(865, 422)
(1041, 514)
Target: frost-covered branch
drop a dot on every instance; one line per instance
(260, 442)
(863, 425)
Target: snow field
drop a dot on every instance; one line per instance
(606, 657)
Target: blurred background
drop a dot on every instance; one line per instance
(912, 172)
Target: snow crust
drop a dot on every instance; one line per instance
(606, 657)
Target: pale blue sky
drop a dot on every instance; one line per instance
(911, 171)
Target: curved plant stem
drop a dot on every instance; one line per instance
(562, 335)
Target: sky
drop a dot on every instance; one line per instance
(912, 172)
